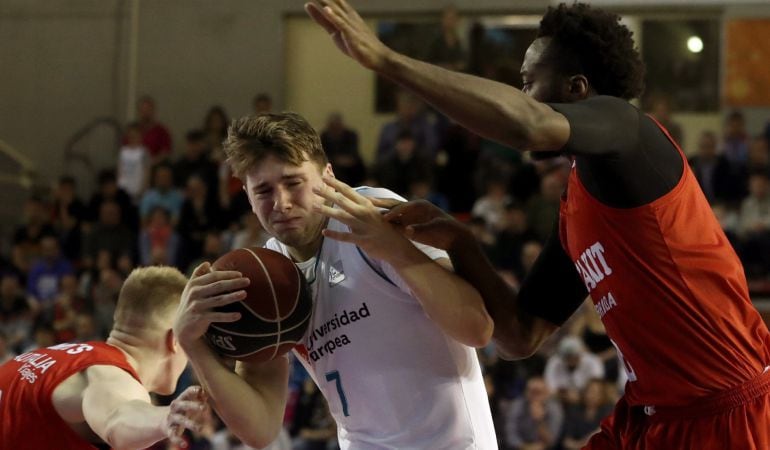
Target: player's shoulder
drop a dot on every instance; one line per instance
(378, 192)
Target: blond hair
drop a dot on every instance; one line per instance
(287, 136)
(149, 298)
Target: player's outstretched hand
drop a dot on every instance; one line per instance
(189, 410)
(348, 31)
(426, 223)
(368, 230)
(205, 291)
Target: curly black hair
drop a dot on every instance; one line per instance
(592, 42)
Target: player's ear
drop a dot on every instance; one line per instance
(328, 171)
(172, 345)
(578, 87)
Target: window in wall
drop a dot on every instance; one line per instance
(492, 47)
(683, 60)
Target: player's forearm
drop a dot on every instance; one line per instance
(242, 407)
(451, 302)
(496, 111)
(516, 334)
(135, 424)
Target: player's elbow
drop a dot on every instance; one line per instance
(259, 438)
(259, 435)
(514, 346)
(515, 352)
(481, 334)
(255, 442)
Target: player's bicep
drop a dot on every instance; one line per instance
(438, 256)
(108, 389)
(553, 290)
(600, 126)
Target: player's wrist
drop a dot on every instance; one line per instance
(195, 347)
(389, 61)
(460, 240)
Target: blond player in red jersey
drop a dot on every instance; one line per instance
(634, 232)
(75, 395)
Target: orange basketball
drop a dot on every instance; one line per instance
(275, 313)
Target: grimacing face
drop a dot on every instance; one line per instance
(281, 195)
(540, 81)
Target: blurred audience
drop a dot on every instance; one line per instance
(535, 420)
(133, 164)
(341, 146)
(155, 136)
(64, 264)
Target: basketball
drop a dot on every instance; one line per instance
(275, 312)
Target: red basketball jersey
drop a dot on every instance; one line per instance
(670, 290)
(28, 420)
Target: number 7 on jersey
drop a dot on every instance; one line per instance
(335, 376)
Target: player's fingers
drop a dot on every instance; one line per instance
(332, 15)
(428, 233)
(220, 287)
(202, 269)
(328, 193)
(318, 16)
(345, 6)
(340, 236)
(414, 212)
(335, 213)
(174, 432)
(387, 203)
(186, 406)
(215, 317)
(186, 422)
(191, 392)
(344, 189)
(220, 300)
(215, 275)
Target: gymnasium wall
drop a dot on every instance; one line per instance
(62, 64)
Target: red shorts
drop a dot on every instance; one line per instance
(736, 419)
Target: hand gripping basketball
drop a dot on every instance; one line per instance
(205, 291)
(274, 313)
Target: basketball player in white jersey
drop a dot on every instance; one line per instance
(392, 337)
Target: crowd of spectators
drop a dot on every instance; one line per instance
(170, 203)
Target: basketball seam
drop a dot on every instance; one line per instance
(267, 346)
(296, 297)
(267, 275)
(275, 302)
(301, 322)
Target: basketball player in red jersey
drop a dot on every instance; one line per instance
(71, 396)
(634, 232)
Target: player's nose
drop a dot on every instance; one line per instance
(281, 200)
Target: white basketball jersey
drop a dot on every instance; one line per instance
(392, 378)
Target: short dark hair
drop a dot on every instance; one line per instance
(592, 42)
(286, 135)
